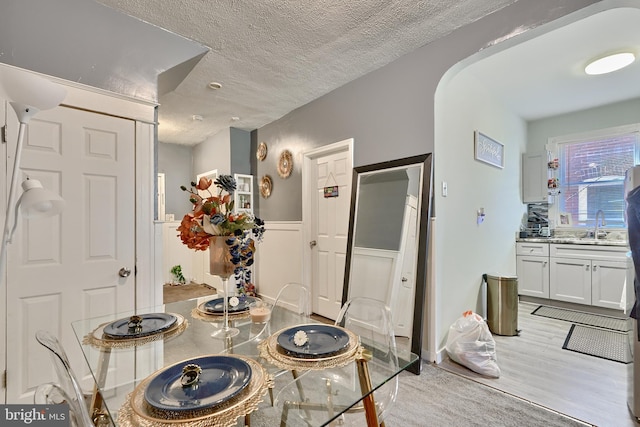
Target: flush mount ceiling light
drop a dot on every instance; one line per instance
(609, 63)
(215, 85)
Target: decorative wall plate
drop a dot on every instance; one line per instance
(261, 152)
(285, 164)
(266, 185)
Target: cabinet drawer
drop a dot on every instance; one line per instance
(614, 253)
(532, 248)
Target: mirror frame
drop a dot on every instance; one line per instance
(426, 160)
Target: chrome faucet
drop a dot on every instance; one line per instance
(604, 222)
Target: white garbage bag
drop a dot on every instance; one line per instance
(471, 344)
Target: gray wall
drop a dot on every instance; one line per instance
(240, 151)
(388, 112)
(618, 114)
(381, 204)
(175, 162)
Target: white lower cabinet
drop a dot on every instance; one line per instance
(533, 276)
(585, 275)
(581, 274)
(570, 280)
(532, 267)
(607, 283)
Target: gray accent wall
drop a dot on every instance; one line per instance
(389, 112)
(381, 204)
(175, 162)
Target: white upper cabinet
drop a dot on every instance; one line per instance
(535, 178)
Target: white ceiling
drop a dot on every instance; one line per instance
(273, 56)
(545, 76)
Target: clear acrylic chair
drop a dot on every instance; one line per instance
(50, 393)
(370, 321)
(69, 387)
(291, 303)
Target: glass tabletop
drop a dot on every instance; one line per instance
(118, 367)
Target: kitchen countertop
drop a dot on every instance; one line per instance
(573, 241)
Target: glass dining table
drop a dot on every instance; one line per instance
(125, 371)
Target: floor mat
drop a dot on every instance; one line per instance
(173, 293)
(578, 317)
(603, 343)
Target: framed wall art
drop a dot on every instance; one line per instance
(488, 150)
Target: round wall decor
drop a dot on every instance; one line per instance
(261, 152)
(266, 185)
(285, 164)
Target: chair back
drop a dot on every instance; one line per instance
(68, 382)
(371, 321)
(293, 298)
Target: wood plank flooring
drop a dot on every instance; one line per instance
(534, 367)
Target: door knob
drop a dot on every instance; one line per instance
(312, 243)
(124, 272)
(404, 279)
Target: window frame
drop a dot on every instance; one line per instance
(611, 132)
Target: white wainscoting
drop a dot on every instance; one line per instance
(279, 257)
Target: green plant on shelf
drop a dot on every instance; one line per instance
(178, 277)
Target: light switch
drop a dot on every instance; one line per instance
(444, 189)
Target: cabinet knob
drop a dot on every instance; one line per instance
(586, 267)
(595, 267)
(544, 263)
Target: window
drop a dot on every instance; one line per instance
(591, 175)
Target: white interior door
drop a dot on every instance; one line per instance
(329, 228)
(65, 268)
(404, 288)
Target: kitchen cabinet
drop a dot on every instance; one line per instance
(532, 267)
(570, 280)
(607, 283)
(243, 196)
(584, 275)
(535, 177)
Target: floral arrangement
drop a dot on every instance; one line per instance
(213, 215)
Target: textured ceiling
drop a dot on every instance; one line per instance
(273, 56)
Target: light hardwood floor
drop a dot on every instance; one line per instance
(534, 367)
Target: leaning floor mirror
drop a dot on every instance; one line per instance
(387, 243)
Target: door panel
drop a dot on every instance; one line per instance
(608, 279)
(330, 228)
(64, 268)
(570, 280)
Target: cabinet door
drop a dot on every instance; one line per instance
(607, 282)
(533, 276)
(534, 178)
(570, 280)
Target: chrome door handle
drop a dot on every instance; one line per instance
(404, 279)
(124, 272)
(312, 243)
